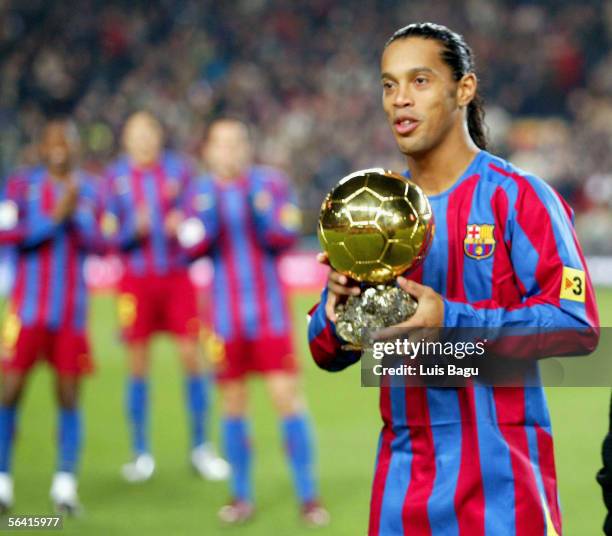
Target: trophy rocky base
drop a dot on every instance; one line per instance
(375, 308)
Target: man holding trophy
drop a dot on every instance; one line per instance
(477, 459)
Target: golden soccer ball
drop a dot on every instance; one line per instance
(375, 225)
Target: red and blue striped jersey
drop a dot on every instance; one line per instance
(248, 222)
(49, 282)
(158, 188)
(478, 460)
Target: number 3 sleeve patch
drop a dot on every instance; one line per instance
(573, 285)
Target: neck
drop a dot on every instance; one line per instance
(61, 174)
(229, 174)
(143, 164)
(438, 169)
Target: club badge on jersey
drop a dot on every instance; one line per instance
(290, 217)
(479, 242)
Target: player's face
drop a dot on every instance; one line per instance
(227, 151)
(419, 94)
(58, 146)
(143, 139)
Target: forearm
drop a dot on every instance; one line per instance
(124, 239)
(533, 329)
(197, 234)
(272, 234)
(90, 237)
(325, 345)
(35, 233)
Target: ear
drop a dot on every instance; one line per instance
(466, 89)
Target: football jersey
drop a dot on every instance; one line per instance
(158, 189)
(478, 460)
(49, 284)
(248, 222)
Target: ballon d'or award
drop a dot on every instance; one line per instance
(374, 225)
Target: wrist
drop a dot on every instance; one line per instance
(59, 217)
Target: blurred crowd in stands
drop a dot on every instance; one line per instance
(305, 74)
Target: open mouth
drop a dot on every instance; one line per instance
(405, 125)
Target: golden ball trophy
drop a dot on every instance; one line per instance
(374, 225)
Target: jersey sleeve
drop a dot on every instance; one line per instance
(325, 345)
(557, 294)
(276, 214)
(18, 226)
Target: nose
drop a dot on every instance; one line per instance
(403, 97)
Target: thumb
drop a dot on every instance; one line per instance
(411, 287)
(330, 307)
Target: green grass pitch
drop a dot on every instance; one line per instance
(347, 424)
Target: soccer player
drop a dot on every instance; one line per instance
(156, 293)
(478, 459)
(246, 217)
(49, 216)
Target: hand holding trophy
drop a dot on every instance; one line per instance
(374, 225)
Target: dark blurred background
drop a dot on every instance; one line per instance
(305, 73)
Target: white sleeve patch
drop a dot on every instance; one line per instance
(8, 215)
(190, 232)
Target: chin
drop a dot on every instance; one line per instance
(413, 147)
(407, 148)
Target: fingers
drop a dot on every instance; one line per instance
(323, 259)
(337, 282)
(172, 221)
(339, 287)
(337, 277)
(383, 334)
(142, 221)
(342, 285)
(341, 290)
(415, 328)
(396, 331)
(412, 287)
(330, 307)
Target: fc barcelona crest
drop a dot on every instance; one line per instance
(479, 242)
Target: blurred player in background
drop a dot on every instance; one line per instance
(475, 460)
(156, 293)
(245, 216)
(49, 215)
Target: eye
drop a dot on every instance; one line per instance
(387, 85)
(421, 80)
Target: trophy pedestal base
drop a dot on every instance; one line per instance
(375, 308)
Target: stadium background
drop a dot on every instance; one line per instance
(305, 74)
